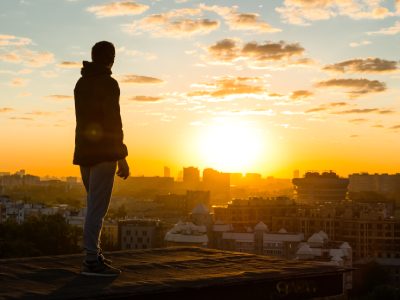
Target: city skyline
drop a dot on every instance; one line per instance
(236, 86)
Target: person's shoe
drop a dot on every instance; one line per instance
(97, 268)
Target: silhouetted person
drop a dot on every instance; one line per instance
(99, 149)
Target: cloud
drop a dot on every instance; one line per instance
(41, 113)
(272, 51)
(359, 120)
(257, 54)
(19, 82)
(69, 65)
(316, 109)
(395, 29)
(358, 44)
(336, 104)
(249, 112)
(21, 118)
(6, 109)
(240, 21)
(225, 50)
(138, 79)
(364, 111)
(59, 97)
(10, 57)
(175, 23)
(395, 127)
(326, 107)
(38, 59)
(303, 12)
(11, 40)
(368, 65)
(300, 94)
(357, 87)
(28, 57)
(138, 54)
(223, 87)
(146, 98)
(120, 8)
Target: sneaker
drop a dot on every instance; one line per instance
(98, 268)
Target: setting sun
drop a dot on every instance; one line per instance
(232, 146)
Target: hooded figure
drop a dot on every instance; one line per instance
(99, 149)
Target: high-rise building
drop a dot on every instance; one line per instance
(167, 172)
(191, 177)
(218, 184)
(323, 187)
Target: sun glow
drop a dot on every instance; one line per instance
(233, 146)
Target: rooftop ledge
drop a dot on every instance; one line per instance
(171, 273)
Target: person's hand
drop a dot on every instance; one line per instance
(123, 169)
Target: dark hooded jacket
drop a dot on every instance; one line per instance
(98, 134)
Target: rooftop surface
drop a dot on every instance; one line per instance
(170, 273)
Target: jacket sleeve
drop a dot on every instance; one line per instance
(112, 111)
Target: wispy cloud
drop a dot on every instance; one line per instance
(59, 97)
(6, 109)
(119, 8)
(11, 40)
(364, 111)
(223, 87)
(367, 65)
(19, 82)
(69, 65)
(392, 30)
(303, 12)
(141, 98)
(21, 118)
(300, 94)
(241, 21)
(139, 79)
(357, 87)
(359, 44)
(176, 23)
(27, 57)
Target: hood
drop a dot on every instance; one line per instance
(93, 69)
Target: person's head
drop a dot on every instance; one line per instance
(103, 53)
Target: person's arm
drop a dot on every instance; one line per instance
(123, 167)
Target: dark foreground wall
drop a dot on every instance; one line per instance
(171, 273)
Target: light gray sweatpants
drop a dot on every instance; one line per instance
(98, 181)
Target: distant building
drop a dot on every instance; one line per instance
(218, 183)
(72, 179)
(109, 233)
(143, 186)
(182, 205)
(141, 233)
(187, 234)
(191, 178)
(319, 188)
(167, 172)
(191, 233)
(363, 186)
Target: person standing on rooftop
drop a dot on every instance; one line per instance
(99, 149)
